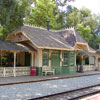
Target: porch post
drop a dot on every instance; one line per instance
(50, 58)
(61, 58)
(96, 62)
(75, 59)
(82, 60)
(32, 55)
(1, 58)
(14, 64)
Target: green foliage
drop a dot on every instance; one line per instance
(1, 33)
(42, 12)
(12, 14)
(84, 31)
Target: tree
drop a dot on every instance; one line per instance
(85, 23)
(41, 12)
(12, 14)
(84, 31)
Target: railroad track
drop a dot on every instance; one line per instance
(71, 95)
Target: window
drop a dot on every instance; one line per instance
(55, 58)
(65, 59)
(86, 60)
(92, 60)
(45, 57)
(71, 58)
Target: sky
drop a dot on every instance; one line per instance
(93, 5)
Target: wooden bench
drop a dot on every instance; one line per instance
(47, 69)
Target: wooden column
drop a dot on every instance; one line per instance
(75, 59)
(96, 62)
(61, 58)
(82, 60)
(32, 58)
(50, 58)
(14, 64)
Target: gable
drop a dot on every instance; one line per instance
(17, 37)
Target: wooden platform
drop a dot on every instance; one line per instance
(29, 79)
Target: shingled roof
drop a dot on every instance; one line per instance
(98, 50)
(72, 36)
(15, 46)
(44, 38)
(85, 52)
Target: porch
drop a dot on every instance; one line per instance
(15, 59)
(88, 60)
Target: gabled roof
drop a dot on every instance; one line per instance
(62, 39)
(44, 38)
(14, 46)
(72, 36)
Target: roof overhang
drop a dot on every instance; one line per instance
(55, 48)
(85, 52)
(15, 47)
(83, 46)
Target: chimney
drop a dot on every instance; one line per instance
(48, 24)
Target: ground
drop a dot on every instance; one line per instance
(37, 89)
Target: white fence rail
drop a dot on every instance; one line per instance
(10, 71)
(89, 68)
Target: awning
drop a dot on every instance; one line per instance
(85, 52)
(12, 46)
(98, 50)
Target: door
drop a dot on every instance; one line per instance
(27, 59)
(55, 61)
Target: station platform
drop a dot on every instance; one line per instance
(30, 79)
(33, 90)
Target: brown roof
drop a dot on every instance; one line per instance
(59, 39)
(72, 36)
(44, 38)
(98, 50)
(85, 52)
(15, 46)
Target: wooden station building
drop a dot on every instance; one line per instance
(59, 52)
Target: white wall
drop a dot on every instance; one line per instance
(38, 58)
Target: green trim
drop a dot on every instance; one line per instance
(65, 57)
(71, 58)
(55, 58)
(72, 69)
(45, 57)
(39, 71)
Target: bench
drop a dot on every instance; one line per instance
(47, 69)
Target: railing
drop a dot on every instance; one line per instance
(89, 67)
(10, 71)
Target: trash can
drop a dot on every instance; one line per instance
(81, 69)
(33, 71)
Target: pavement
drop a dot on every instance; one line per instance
(29, 79)
(37, 89)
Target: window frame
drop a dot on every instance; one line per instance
(65, 59)
(44, 58)
(72, 58)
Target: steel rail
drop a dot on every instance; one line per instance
(65, 92)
